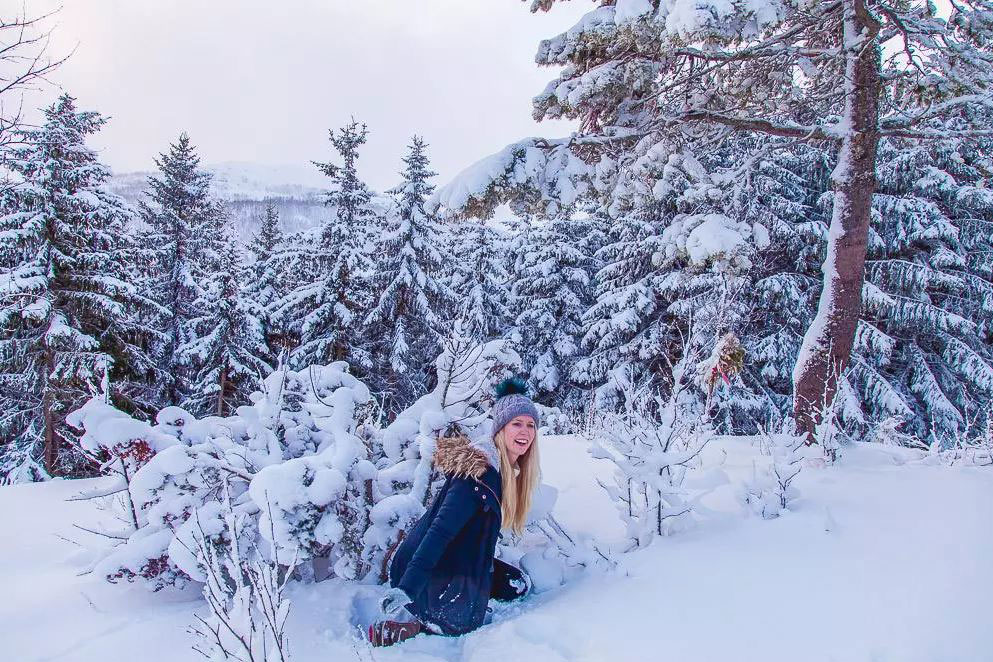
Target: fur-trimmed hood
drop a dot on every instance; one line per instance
(457, 455)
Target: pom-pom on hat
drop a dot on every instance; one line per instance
(512, 402)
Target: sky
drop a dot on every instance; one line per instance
(264, 81)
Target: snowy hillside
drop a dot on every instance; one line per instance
(883, 557)
(296, 190)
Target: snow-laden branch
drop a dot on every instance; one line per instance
(756, 124)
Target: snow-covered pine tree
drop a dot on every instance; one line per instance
(333, 297)
(406, 324)
(551, 288)
(780, 193)
(480, 277)
(292, 460)
(672, 263)
(181, 245)
(267, 281)
(68, 308)
(930, 213)
(924, 352)
(225, 350)
(293, 264)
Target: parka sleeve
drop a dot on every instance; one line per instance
(458, 507)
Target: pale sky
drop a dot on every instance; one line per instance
(264, 81)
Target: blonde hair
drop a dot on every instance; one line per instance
(517, 485)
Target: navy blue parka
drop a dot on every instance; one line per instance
(446, 562)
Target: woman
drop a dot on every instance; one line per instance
(444, 572)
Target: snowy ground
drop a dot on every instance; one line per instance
(881, 560)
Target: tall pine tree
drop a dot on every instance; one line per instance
(407, 323)
(267, 279)
(225, 352)
(68, 307)
(551, 289)
(182, 248)
(480, 277)
(330, 303)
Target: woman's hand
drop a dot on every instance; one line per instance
(394, 601)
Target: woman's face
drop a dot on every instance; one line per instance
(518, 435)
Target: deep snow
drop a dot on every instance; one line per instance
(881, 559)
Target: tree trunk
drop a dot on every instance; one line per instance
(224, 387)
(48, 405)
(827, 345)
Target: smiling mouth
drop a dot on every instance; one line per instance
(521, 442)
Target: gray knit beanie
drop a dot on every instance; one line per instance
(511, 403)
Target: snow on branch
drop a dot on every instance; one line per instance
(531, 173)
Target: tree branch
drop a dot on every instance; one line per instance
(754, 124)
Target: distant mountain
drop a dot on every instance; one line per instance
(296, 191)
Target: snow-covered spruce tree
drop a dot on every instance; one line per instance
(181, 246)
(637, 72)
(551, 292)
(225, 350)
(926, 324)
(294, 266)
(930, 208)
(672, 263)
(406, 324)
(670, 259)
(68, 306)
(480, 278)
(267, 281)
(778, 192)
(333, 297)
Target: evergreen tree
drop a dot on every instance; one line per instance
(551, 291)
(673, 265)
(920, 358)
(182, 244)
(225, 353)
(68, 307)
(648, 83)
(407, 323)
(331, 301)
(480, 277)
(923, 351)
(266, 277)
(782, 197)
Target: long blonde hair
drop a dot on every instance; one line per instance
(517, 485)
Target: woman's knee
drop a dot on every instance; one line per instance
(509, 583)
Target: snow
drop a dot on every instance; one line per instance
(548, 166)
(626, 11)
(689, 17)
(478, 177)
(883, 557)
(707, 238)
(107, 427)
